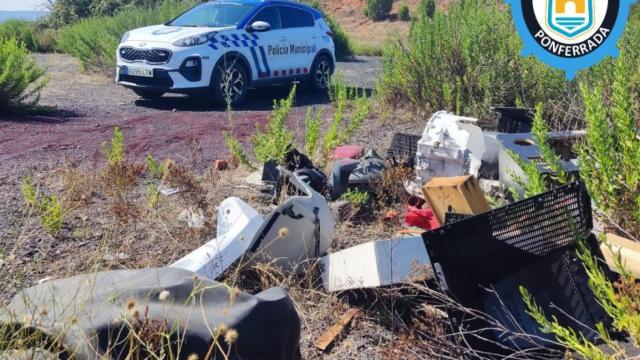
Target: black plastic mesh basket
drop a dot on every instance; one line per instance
(403, 149)
(529, 243)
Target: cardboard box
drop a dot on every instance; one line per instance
(630, 251)
(459, 194)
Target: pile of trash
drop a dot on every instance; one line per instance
(451, 239)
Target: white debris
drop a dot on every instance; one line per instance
(237, 225)
(169, 191)
(377, 263)
(451, 145)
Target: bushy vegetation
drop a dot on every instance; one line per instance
(465, 61)
(94, 41)
(21, 79)
(273, 142)
(33, 35)
(609, 156)
(403, 13)
(378, 9)
(48, 208)
(426, 8)
(65, 12)
(344, 46)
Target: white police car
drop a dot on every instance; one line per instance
(222, 48)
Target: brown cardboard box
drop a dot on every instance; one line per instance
(630, 251)
(461, 193)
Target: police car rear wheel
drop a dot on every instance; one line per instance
(230, 84)
(321, 73)
(148, 94)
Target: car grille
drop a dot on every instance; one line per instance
(153, 56)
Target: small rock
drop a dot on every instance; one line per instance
(221, 165)
(193, 217)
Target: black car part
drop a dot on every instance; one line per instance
(481, 260)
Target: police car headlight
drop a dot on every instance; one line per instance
(194, 40)
(125, 37)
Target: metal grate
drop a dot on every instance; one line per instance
(403, 148)
(529, 243)
(153, 56)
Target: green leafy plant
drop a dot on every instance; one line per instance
(465, 60)
(93, 40)
(153, 195)
(426, 8)
(313, 128)
(609, 155)
(341, 129)
(533, 182)
(403, 13)
(29, 193)
(356, 197)
(238, 155)
(273, 142)
(155, 168)
(52, 214)
(21, 79)
(114, 150)
(378, 9)
(540, 132)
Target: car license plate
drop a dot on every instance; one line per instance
(137, 71)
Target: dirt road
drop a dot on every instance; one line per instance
(89, 106)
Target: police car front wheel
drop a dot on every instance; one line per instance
(230, 83)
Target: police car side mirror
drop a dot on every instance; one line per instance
(259, 26)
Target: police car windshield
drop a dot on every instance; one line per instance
(213, 14)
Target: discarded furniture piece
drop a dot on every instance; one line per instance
(524, 146)
(377, 263)
(459, 194)
(422, 218)
(238, 223)
(339, 182)
(92, 315)
(358, 174)
(629, 250)
(530, 243)
(300, 165)
(328, 337)
(451, 145)
(403, 149)
(299, 229)
(514, 120)
(354, 152)
(368, 171)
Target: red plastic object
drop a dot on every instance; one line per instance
(422, 218)
(347, 152)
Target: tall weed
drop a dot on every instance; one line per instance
(273, 142)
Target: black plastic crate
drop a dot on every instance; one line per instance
(530, 243)
(403, 149)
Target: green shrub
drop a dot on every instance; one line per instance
(273, 142)
(342, 41)
(94, 41)
(426, 8)
(465, 61)
(341, 128)
(21, 79)
(378, 9)
(66, 12)
(156, 169)
(313, 128)
(114, 150)
(356, 197)
(609, 156)
(403, 13)
(52, 215)
(21, 30)
(236, 151)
